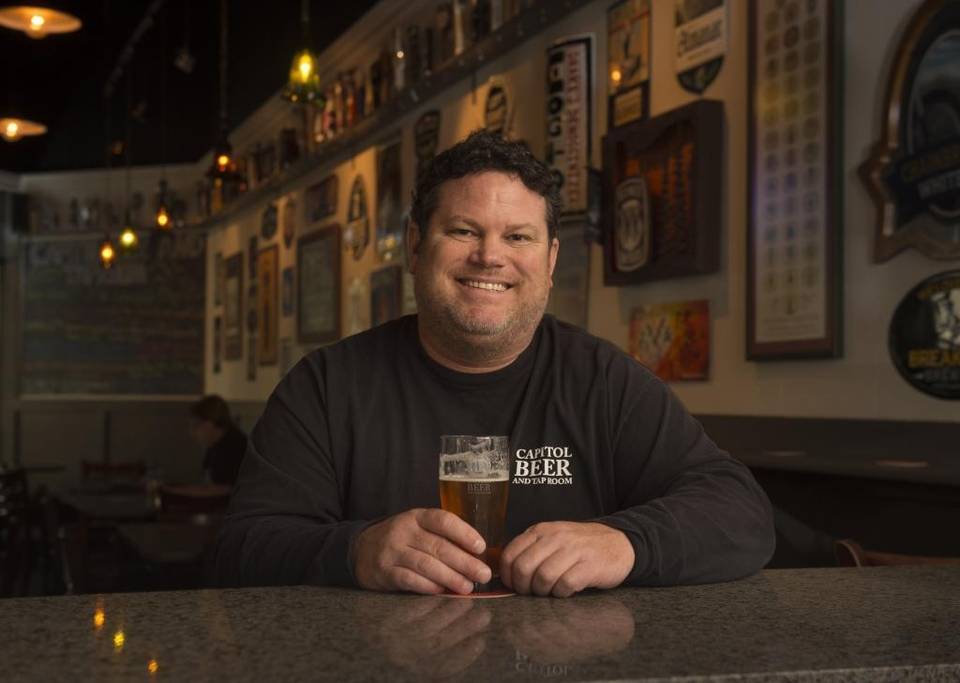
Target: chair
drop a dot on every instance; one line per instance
(849, 553)
(16, 544)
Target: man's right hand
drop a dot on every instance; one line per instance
(422, 551)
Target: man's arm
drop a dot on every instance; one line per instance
(687, 511)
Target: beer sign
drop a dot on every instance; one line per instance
(925, 336)
(700, 38)
(569, 84)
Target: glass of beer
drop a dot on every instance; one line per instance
(474, 481)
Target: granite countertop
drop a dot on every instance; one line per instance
(874, 624)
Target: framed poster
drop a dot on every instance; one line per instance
(286, 290)
(267, 305)
(389, 203)
(569, 117)
(662, 178)
(571, 277)
(322, 199)
(356, 236)
(794, 173)
(913, 171)
(318, 288)
(218, 279)
(233, 307)
(386, 294)
(628, 61)
(672, 340)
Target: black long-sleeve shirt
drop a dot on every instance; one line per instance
(351, 435)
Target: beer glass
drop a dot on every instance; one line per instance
(474, 481)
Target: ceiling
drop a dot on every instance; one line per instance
(173, 116)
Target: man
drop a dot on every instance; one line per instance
(339, 485)
(212, 428)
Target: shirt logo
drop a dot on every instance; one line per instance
(546, 465)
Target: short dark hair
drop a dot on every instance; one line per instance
(212, 408)
(485, 151)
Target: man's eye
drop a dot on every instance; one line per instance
(461, 232)
(519, 237)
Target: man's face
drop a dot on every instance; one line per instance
(483, 271)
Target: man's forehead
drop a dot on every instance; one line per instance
(491, 189)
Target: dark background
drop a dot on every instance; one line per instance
(59, 81)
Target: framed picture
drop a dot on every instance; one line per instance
(794, 174)
(386, 294)
(322, 199)
(912, 170)
(233, 307)
(628, 61)
(286, 291)
(267, 299)
(318, 288)
(672, 340)
(662, 178)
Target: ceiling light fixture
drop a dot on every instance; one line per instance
(222, 166)
(12, 129)
(107, 253)
(303, 85)
(38, 22)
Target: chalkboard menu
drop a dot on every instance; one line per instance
(134, 329)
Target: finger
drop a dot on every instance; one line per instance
(452, 528)
(526, 564)
(573, 580)
(429, 567)
(452, 555)
(514, 549)
(549, 571)
(405, 579)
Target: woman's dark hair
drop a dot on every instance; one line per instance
(212, 408)
(484, 151)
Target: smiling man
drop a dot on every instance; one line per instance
(613, 481)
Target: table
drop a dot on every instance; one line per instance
(875, 624)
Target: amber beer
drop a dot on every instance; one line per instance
(481, 503)
(474, 482)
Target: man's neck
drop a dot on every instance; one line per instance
(473, 358)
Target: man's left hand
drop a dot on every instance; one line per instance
(563, 558)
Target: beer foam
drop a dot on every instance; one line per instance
(505, 476)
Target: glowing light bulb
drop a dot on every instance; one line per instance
(107, 255)
(163, 218)
(128, 238)
(306, 68)
(222, 161)
(615, 75)
(399, 54)
(37, 21)
(12, 131)
(99, 618)
(153, 666)
(118, 640)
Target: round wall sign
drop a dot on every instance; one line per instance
(925, 336)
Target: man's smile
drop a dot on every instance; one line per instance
(490, 286)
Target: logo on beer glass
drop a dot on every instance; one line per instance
(474, 482)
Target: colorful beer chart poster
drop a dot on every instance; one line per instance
(925, 336)
(628, 60)
(700, 40)
(672, 340)
(569, 81)
(267, 306)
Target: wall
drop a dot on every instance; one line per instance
(861, 384)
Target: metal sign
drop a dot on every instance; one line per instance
(700, 38)
(569, 87)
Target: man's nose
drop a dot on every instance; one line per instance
(489, 252)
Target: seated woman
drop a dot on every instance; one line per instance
(212, 427)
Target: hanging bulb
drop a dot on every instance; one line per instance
(128, 239)
(222, 164)
(12, 129)
(163, 218)
(107, 253)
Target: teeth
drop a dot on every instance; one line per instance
(491, 286)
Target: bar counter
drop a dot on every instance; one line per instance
(871, 624)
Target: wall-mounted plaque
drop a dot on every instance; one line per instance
(700, 41)
(672, 340)
(267, 305)
(318, 289)
(356, 235)
(925, 336)
(628, 61)
(426, 133)
(913, 171)
(794, 166)
(662, 180)
(569, 114)
(498, 108)
(389, 202)
(233, 307)
(322, 199)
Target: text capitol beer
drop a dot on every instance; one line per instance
(481, 502)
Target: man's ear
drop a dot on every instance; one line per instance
(552, 257)
(413, 245)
